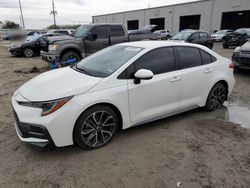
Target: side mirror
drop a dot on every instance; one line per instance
(143, 74)
(91, 37)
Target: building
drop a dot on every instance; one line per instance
(206, 15)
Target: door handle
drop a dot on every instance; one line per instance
(208, 70)
(105, 43)
(175, 79)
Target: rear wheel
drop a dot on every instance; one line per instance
(225, 45)
(96, 127)
(216, 97)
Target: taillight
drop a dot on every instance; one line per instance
(231, 66)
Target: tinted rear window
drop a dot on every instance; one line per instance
(188, 57)
(116, 30)
(207, 58)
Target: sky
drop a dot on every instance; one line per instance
(36, 12)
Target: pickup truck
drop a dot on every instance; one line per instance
(88, 39)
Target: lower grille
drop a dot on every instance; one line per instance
(245, 61)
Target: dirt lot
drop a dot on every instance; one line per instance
(198, 148)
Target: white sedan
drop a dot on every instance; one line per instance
(119, 87)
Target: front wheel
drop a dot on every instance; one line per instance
(225, 45)
(216, 97)
(70, 56)
(96, 127)
(28, 52)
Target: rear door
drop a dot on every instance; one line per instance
(102, 41)
(158, 96)
(195, 77)
(117, 34)
(204, 38)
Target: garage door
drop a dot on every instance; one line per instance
(190, 22)
(235, 20)
(133, 24)
(160, 22)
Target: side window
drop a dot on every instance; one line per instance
(102, 32)
(159, 61)
(117, 31)
(188, 57)
(194, 36)
(203, 35)
(207, 58)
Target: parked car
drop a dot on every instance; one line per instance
(241, 56)
(14, 35)
(119, 87)
(220, 34)
(194, 36)
(61, 31)
(31, 47)
(236, 38)
(164, 34)
(88, 39)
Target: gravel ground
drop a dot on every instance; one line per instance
(197, 148)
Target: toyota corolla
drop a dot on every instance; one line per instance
(119, 87)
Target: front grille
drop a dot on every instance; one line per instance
(245, 61)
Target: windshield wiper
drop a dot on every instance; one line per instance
(83, 70)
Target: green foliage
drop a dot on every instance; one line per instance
(10, 25)
(63, 26)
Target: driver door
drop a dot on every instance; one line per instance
(159, 96)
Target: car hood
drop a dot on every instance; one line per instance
(245, 47)
(59, 38)
(57, 84)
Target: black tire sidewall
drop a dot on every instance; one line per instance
(67, 54)
(208, 106)
(29, 49)
(78, 126)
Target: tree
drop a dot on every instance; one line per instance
(10, 25)
(63, 26)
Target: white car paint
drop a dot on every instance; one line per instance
(163, 95)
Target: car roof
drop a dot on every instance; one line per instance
(158, 44)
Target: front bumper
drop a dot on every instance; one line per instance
(34, 134)
(241, 60)
(15, 51)
(54, 129)
(49, 56)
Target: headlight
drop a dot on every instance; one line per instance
(48, 107)
(237, 50)
(53, 47)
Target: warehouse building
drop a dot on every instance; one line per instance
(208, 15)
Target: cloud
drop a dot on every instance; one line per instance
(36, 13)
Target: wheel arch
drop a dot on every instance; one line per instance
(224, 82)
(115, 108)
(72, 49)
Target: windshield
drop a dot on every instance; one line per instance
(81, 31)
(34, 38)
(107, 61)
(181, 36)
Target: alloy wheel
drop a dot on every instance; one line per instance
(218, 96)
(28, 52)
(98, 129)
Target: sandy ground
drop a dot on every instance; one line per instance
(198, 148)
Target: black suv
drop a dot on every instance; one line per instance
(194, 36)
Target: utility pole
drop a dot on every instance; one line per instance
(53, 12)
(20, 6)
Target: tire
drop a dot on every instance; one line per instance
(225, 46)
(210, 46)
(96, 127)
(28, 52)
(216, 97)
(70, 55)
